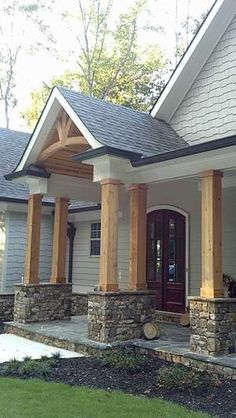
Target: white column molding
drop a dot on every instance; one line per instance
(37, 185)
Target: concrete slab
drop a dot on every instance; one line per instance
(12, 346)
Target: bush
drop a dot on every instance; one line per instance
(31, 368)
(182, 378)
(12, 367)
(34, 368)
(121, 359)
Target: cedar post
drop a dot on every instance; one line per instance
(31, 274)
(109, 236)
(137, 236)
(211, 234)
(59, 241)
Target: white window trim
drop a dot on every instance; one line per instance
(94, 239)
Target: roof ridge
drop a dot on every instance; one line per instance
(102, 100)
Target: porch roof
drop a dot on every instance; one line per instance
(12, 145)
(122, 127)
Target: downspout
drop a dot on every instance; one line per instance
(71, 231)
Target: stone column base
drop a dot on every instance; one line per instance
(119, 316)
(43, 302)
(213, 325)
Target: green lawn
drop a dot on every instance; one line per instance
(38, 399)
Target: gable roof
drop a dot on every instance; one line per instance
(122, 127)
(198, 52)
(102, 124)
(12, 145)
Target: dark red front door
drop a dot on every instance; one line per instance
(166, 258)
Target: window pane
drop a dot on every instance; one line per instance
(95, 247)
(96, 230)
(172, 251)
(158, 250)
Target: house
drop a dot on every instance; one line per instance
(167, 187)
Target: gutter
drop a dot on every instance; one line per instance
(187, 151)
(32, 170)
(106, 150)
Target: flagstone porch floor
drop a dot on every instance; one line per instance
(173, 344)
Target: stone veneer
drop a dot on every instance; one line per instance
(117, 316)
(6, 306)
(213, 325)
(79, 304)
(43, 302)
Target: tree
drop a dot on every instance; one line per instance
(188, 28)
(110, 65)
(16, 20)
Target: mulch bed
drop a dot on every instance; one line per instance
(91, 372)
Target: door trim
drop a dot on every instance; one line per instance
(186, 215)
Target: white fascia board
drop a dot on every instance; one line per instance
(38, 139)
(23, 208)
(194, 59)
(90, 215)
(184, 167)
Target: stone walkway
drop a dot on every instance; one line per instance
(73, 335)
(12, 346)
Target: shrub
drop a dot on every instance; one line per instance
(56, 356)
(32, 368)
(121, 359)
(182, 378)
(12, 367)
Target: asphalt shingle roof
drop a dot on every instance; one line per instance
(12, 145)
(121, 127)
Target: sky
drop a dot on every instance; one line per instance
(33, 70)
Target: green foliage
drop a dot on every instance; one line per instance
(121, 359)
(34, 368)
(182, 378)
(30, 367)
(56, 356)
(109, 63)
(12, 367)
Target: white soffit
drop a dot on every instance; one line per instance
(194, 59)
(46, 121)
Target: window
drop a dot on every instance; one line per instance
(95, 238)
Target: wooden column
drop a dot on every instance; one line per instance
(59, 241)
(31, 274)
(137, 236)
(211, 234)
(109, 236)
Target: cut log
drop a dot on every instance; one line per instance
(185, 319)
(150, 331)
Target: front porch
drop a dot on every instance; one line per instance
(127, 190)
(173, 344)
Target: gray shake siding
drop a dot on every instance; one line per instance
(208, 110)
(15, 249)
